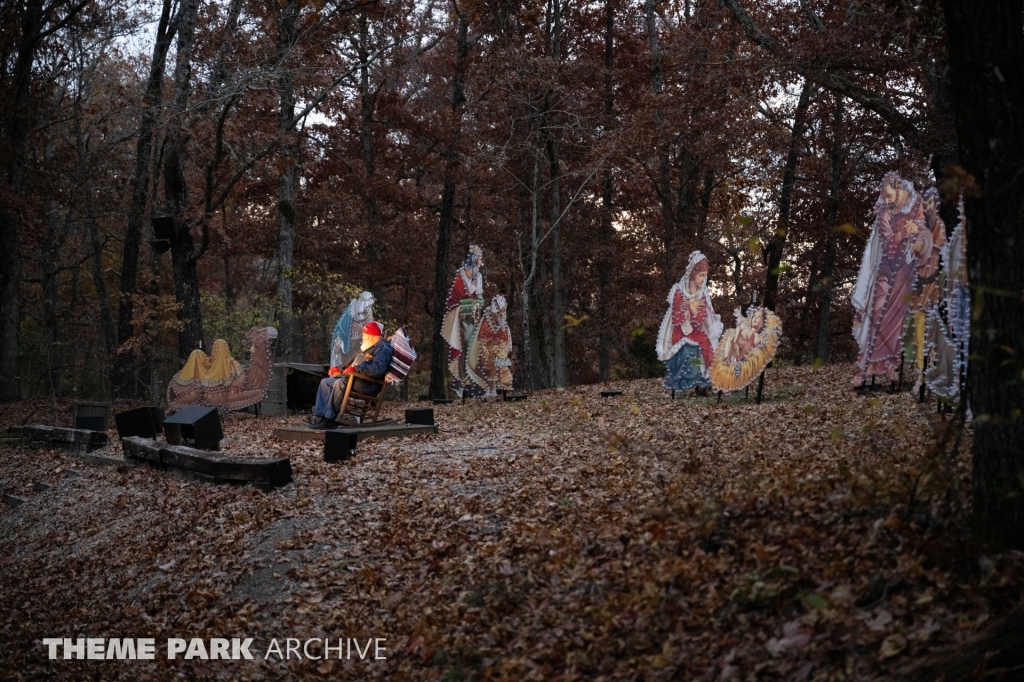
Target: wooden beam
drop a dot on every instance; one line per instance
(303, 433)
(208, 466)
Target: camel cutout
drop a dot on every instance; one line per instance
(218, 380)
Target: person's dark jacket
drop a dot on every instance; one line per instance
(373, 362)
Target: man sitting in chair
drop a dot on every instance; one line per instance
(373, 360)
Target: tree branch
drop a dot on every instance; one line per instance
(812, 17)
(841, 84)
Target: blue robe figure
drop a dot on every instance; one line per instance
(347, 332)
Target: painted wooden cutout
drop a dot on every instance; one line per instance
(690, 330)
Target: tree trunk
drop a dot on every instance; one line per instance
(528, 275)
(367, 104)
(606, 233)
(125, 381)
(664, 183)
(229, 287)
(837, 157)
(554, 158)
(84, 187)
(287, 180)
(773, 253)
(546, 335)
(15, 128)
(986, 57)
(71, 358)
(183, 253)
(940, 107)
(99, 281)
(526, 356)
(438, 364)
(52, 327)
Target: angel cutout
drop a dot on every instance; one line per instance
(690, 330)
(746, 349)
(348, 332)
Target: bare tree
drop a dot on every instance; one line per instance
(37, 20)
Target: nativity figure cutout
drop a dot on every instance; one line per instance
(948, 325)
(900, 244)
(348, 331)
(491, 354)
(746, 349)
(218, 380)
(463, 314)
(926, 292)
(690, 329)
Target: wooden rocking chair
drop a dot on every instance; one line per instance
(359, 407)
(365, 409)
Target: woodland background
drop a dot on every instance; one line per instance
(313, 149)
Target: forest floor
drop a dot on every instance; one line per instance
(819, 535)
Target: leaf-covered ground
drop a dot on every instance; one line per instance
(820, 535)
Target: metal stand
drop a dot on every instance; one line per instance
(760, 387)
(920, 393)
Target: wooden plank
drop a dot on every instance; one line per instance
(77, 441)
(14, 500)
(65, 435)
(14, 435)
(304, 367)
(208, 466)
(38, 432)
(228, 468)
(142, 449)
(395, 430)
(80, 436)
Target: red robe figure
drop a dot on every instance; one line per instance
(690, 330)
(899, 245)
(463, 310)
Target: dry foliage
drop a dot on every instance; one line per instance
(564, 537)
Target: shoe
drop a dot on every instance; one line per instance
(322, 424)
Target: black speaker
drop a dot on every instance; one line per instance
(339, 445)
(90, 423)
(420, 415)
(164, 228)
(610, 394)
(91, 416)
(195, 423)
(144, 421)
